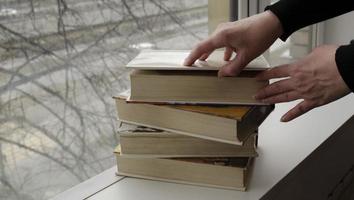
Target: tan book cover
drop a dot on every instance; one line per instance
(220, 172)
(166, 144)
(228, 124)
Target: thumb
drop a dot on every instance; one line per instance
(234, 67)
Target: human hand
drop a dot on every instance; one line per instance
(315, 79)
(248, 37)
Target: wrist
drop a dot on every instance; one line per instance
(274, 22)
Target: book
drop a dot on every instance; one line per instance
(166, 144)
(194, 87)
(228, 124)
(159, 77)
(173, 60)
(221, 172)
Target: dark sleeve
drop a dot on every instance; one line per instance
(345, 64)
(296, 14)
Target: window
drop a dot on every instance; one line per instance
(61, 62)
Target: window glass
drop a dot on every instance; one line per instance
(61, 62)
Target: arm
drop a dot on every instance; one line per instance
(296, 14)
(315, 79)
(251, 36)
(248, 37)
(323, 76)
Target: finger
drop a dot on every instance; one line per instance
(205, 56)
(206, 46)
(275, 72)
(283, 97)
(234, 67)
(228, 53)
(298, 110)
(274, 89)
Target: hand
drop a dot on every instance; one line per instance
(315, 79)
(248, 37)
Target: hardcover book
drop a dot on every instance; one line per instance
(159, 77)
(166, 144)
(228, 124)
(221, 172)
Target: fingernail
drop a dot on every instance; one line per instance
(283, 119)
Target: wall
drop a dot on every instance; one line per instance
(339, 30)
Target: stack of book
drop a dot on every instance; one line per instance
(194, 127)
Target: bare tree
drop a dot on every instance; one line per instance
(60, 63)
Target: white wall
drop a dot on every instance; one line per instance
(339, 30)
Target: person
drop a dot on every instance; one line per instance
(323, 76)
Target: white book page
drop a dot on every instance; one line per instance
(173, 60)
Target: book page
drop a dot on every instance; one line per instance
(173, 60)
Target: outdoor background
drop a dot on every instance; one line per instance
(60, 63)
